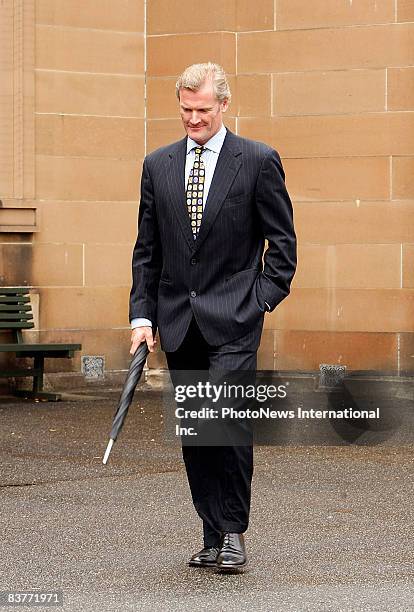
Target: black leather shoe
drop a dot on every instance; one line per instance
(205, 558)
(232, 554)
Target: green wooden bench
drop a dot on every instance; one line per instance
(16, 315)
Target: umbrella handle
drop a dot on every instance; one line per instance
(108, 450)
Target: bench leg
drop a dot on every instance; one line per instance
(37, 392)
(39, 366)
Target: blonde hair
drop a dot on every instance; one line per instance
(195, 75)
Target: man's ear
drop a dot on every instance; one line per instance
(224, 106)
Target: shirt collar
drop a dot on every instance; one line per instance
(214, 144)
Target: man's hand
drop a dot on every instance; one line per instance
(141, 334)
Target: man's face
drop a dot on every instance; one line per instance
(201, 112)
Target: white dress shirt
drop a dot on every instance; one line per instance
(209, 158)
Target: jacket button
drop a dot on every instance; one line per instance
(193, 293)
(193, 262)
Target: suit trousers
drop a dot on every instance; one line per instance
(219, 476)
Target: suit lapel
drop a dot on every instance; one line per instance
(175, 181)
(227, 167)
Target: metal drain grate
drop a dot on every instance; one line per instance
(331, 376)
(93, 366)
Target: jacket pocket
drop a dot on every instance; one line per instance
(255, 269)
(236, 201)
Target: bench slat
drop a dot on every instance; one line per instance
(13, 325)
(15, 308)
(14, 299)
(14, 347)
(14, 290)
(15, 316)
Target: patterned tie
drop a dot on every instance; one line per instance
(195, 191)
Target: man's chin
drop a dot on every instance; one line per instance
(197, 135)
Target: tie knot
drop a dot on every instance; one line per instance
(199, 151)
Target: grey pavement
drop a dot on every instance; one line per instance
(331, 526)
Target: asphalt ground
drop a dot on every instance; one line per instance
(331, 527)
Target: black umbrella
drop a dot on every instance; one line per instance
(134, 374)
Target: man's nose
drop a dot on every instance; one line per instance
(194, 118)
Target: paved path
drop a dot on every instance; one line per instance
(331, 527)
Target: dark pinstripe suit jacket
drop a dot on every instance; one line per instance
(219, 276)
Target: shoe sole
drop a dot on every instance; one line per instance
(231, 568)
(195, 564)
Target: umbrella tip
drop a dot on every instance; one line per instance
(108, 450)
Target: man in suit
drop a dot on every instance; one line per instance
(208, 203)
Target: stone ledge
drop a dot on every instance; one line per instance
(17, 218)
